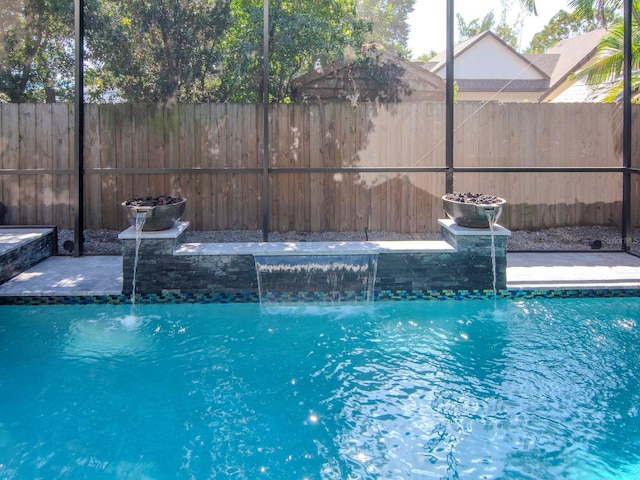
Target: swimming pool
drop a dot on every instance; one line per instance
(532, 389)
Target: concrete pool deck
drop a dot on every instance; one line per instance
(102, 275)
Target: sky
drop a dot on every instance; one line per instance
(429, 18)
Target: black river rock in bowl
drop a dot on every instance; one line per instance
(477, 198)
(472, 209)
(161, 212)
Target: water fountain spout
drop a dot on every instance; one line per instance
(492, 212)
(141, 217)
(331, 278)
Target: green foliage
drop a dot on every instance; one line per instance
(608, 66)
(562, 25)
(389, 26)
(36, 51)
(156, 51)
(529, 6)
(475, 26)
(382, 77)
(186, 50)
(507, 34)
(301, 36)
(603, 12)
(610, 60)
(425, 57)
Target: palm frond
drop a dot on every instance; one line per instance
(609, 62)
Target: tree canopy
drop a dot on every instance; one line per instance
(301, 36)
(156, 51)
(36, 52)
(185, 51)
(509, 34)
(388, 21)
(564, 25)
(608, 65)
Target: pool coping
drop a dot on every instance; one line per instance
(98, 279)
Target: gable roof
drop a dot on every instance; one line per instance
(570, 54)
(439, 62)
(552, 68)
(487, 66)
(333, 80)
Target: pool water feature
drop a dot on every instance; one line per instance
(333, 278)
(141, 218)
(492, 216)
(461, 261)
(535, 389)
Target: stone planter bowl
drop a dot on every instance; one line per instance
(472, 215)
(158, 217)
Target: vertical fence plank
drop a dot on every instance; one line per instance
(124, 137)
(219, 119)
(237, 202)
(365, 182)
(27, 160)
(172, 148)
(44, 160)
(201, 124)
(92, 160)
(300, 152)
(62, 154)
(316, 189)
(140, 148)
(9, 160)
(186, 158)
(281, 218)
(157, 149)
(108, 132)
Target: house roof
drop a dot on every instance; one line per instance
(502, 69)
(415, 80)
(572, 54)
(555, 65)
(439, 62)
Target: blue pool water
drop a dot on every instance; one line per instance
(538, 389)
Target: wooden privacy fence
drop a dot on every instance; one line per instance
(333, 167)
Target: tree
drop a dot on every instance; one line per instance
(187, 50)
(610, 56)
(302, 35)
(388, 20)
(562, 25)
(507, 33)
(610, 60)
(598, 9)
(36, 50)
(425, 57)
(529, 6)
(603, 11)
(156, 51)
(475, 26)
